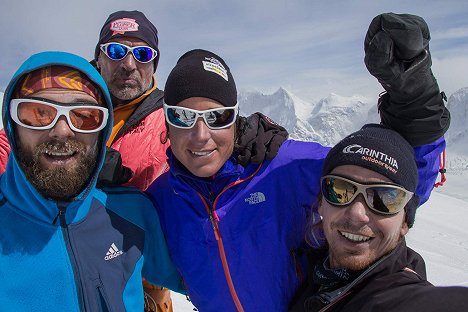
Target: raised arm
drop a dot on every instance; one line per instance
(397, 54)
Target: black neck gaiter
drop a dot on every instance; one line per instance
(330, 279)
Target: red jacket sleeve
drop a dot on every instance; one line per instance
(4, 151)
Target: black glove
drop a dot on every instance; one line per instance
(258, 138)
(113, 173)
(397, 54)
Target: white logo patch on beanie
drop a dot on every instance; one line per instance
(122, 25)
(213, 65)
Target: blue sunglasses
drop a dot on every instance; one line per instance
(118, 51)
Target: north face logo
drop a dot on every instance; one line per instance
(255, 198)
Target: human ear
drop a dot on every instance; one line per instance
(404, 228)
(319, 208)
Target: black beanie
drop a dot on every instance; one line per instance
(382, 150)
(200, 73)
(128, 24)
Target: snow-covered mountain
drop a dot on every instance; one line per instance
(326, 121)
(332, 118)
(457, 135)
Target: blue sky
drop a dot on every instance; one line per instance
(311, 48)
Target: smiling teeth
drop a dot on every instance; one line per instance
(355, 237)
(60, 153)
(201, 153)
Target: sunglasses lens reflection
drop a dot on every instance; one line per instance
(381, 199)
(216, 119)
(116, 51)
(143, 54)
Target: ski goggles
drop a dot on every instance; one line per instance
(118, 51)
(381, 198)
(216, 118)
(43, 114)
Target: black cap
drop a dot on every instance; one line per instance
(128, 24)
(200, 73)
(382, 150)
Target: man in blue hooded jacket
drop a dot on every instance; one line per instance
(80, 248)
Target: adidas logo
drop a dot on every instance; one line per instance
(113, 252)
(255, 198)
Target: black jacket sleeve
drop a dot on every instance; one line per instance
(258, 138)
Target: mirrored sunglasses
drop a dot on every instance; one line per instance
(118, 51)
(381, 198)
(185, 118)
(43, 114)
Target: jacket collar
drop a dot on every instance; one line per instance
(207, 187)
(398, 259)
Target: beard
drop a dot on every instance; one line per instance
(358, 261)
(128, 92)
(58, 182)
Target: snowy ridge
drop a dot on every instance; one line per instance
(332, 118)
(326, 121)
(279, 106)
(457, 135)
(335, 117)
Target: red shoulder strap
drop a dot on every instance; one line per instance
(442, 170)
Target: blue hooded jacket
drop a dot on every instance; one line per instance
(251, 221)
(86, 254)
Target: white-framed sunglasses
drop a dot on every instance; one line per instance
(42, 114)
(117, 51)
(382, 198)
(216, 118)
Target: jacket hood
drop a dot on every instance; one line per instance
(14, 180)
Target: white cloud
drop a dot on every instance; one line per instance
(451, 33)
(312, 47)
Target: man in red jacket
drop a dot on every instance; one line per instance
(127, 55)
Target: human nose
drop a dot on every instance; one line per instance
(200, 129)
(358, 210)
(61, 130)
(129, 61)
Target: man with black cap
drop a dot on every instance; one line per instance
(138, 117)
(367, 205)
(127, 56)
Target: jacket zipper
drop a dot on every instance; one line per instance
(66, 235)
(330, 305)
(219, 240)
(101, 299)
(214, 219)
